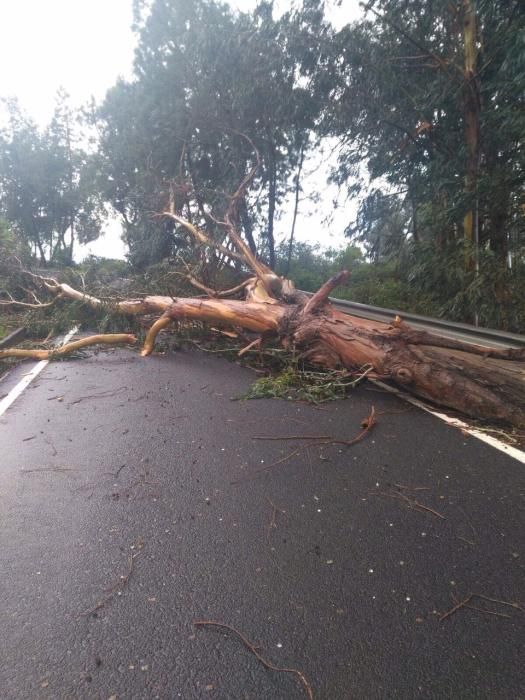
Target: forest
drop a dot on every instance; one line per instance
(418, 107)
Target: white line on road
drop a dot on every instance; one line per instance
(28, 378)
(479, 434)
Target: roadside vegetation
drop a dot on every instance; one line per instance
(420, 105)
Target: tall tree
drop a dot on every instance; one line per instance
(210, 87)
(430, 96)
(47, 184)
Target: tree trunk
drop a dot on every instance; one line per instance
(295, 210)
(247, 226)
(479, 382)
(471, 116)
(272, 194)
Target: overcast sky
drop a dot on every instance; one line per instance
(83, 46)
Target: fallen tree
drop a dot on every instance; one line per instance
(480, 382)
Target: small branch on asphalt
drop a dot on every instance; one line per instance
(60, 470)
(69, 348)
(411, 502)
(255, 343)
(465, 604)
(261, 659)
(456, 607)
(403, 487)
(269, 466)
(516, 606)
(321, 440)
(367, 424)
(116, 589)
(102, 395)
(292, 437)
(119, 470)
(273, 520)
(488, 612)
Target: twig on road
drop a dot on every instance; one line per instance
(263, 661)
(292, 437)
(456, 607)
(412, 503)
(465, 604)
(116, 589)
(367, 424)
(321, 440)
(49, 469)
(273, 520)
(102, 395)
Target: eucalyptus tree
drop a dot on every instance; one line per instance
(430, 96)
(212, 92)
(47, 183)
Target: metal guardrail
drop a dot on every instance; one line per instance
(448, 329)
(12, 338)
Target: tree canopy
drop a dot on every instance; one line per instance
(47, 183)
(420, 101)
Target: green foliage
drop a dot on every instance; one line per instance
(494, 295)
(47, 190)
(426, 280)
(300, 384)
(208, 84)
(397, 93)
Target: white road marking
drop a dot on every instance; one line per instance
(513, 452)
(28, 378)
(479, 434)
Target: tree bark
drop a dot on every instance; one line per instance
(480, 382)
(295, 209)
(272, 195)
(472, 118)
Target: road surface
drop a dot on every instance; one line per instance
(134, 501)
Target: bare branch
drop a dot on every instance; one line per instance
(107, 339)
(321, 296)
(11, 301)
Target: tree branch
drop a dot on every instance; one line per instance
(321, 296)
(107, 339)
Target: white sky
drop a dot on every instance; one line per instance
(83, 46)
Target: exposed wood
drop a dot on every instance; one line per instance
(105, 339)
(477, 381)
(448, 373)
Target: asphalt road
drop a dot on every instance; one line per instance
(132, 505)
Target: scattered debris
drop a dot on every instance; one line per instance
(320, 440)
(49, 469)
(273, 520)
(412, 503)
(102, 395)
(253, 649)
(291, 437)
(116, 474)
(117, 588)
(465, 604)
(295, 383)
